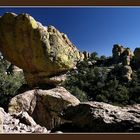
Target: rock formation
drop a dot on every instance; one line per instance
(86, 55)
(117, 51)
(44, 106)
(20, 123)
(121, 54)
(127, 73)
(42, 52)
(1, 120)
(137, 58)
(102, 117)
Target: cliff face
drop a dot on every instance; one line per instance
(42, 52)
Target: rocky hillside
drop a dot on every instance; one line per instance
(65, 90)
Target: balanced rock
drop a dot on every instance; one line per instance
(102, 117)
(45, 106)
(42, 52)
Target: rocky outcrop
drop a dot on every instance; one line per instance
(117, 51)
(102, 117)
(42, 52)
(122, 55)
(127, 73)
(20, 123)
(44, 106)
(86, 55)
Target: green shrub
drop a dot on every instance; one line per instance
(9, 84)
(79, 94)
(100, 83)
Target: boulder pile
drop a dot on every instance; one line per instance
(45, 106)
(19, 123)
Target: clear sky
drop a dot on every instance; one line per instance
(91, 29)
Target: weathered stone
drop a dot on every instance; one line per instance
(117, 51)
(126, 56)
(102, 117)
(1, 119)
(86, 55)
(17, 70)
(23, 102)
(127, 73)
(44, 106)
(12, 69)
(126, 60)
(25, 118)
(121, 54)
(21, 123)
(41, 52)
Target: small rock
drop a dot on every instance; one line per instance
(26, 119)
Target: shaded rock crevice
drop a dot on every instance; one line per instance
(102, 117)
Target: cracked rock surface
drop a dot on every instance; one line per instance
(20, 123)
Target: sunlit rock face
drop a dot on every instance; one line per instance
(121, 54)
(42, 52)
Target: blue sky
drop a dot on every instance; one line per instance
(91, 29)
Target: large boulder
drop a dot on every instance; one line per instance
(42, 52)
(45, 106)
(102, 117)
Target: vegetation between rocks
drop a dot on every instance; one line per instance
(103, 81)
(9, 83)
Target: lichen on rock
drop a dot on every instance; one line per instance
(42, 52)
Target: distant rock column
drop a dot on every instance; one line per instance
(117, 51)
(137, 57)
(86, 55)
